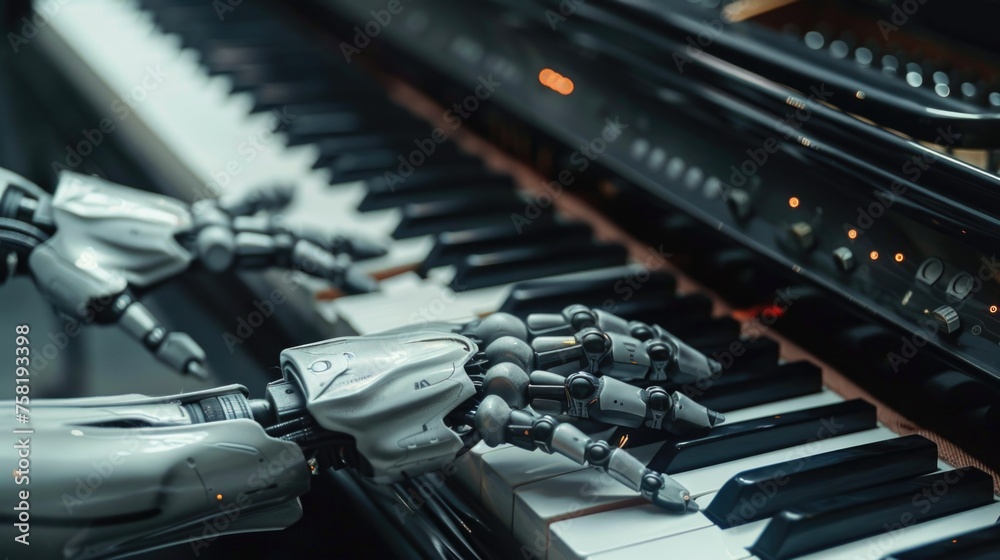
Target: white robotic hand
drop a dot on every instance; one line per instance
(92, 242)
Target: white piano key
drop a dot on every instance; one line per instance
(820, 398)
(411, 301)
(621, 527)
(469, 468)
(712, 543)
(511, 467)
(702, 544)
(549, 501)
(532, 489)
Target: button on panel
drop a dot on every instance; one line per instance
(844, 258)
(947, 317)
(961, 285)
(739, 203)
(930, 271)
(802, 234)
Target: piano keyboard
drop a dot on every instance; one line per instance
(779, 452)
(235, 102)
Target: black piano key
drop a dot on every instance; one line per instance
(728, 442)
(223, 59)
(346, 122)
(983, 544)
(331, 148)
(473, 186)
(760, 493)
(743, 389)
(245, 77)
(190, 15)
(672, 318)
(761, 353)
(854, 515)
(423, 178)
(453, 246)
(272, 95)
(244, 32)
(461, 212)
(523, 263)
(622, 290)
(365, 164)
(761, 383)
(722, 331)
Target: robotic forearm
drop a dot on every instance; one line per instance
(111, 476)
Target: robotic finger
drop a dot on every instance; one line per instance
(500, 424)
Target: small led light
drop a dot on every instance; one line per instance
(852, 233)
(793, 202)
(218, 497)
(873, 255)
(993, 309)
(555, 81)
(899, 257)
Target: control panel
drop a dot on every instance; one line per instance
(905, 234)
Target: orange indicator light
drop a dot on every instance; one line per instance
(793, 202)
(993, 309)
(899, 257)
(555, 81)
(873, 255)
(852, 233)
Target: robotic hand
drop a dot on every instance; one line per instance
(592, 373)
(92, 241)
(114, 476)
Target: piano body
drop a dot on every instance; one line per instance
(806, 191)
